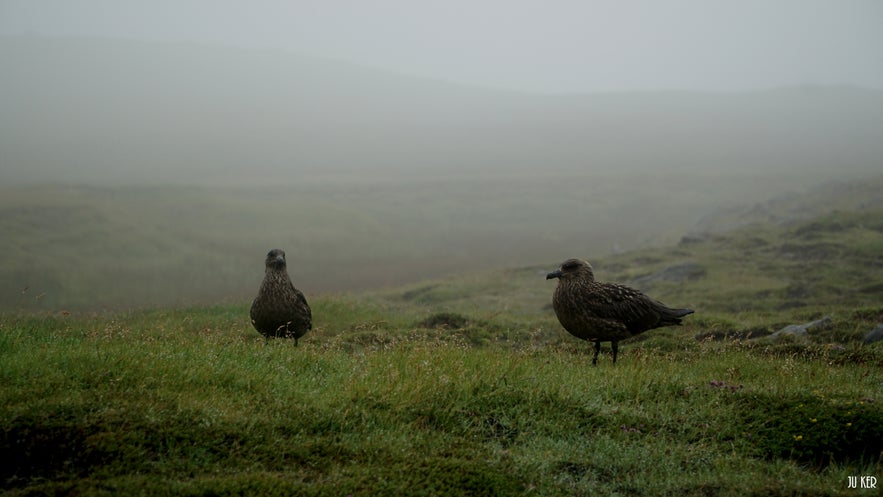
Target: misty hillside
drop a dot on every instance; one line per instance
(108, 111)
(102, 247)
(790, 208)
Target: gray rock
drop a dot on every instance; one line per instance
(800, 330)
(874, 335)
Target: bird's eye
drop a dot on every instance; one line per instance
(569, 265)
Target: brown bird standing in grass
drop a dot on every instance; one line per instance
(280, 309)
(605, 312)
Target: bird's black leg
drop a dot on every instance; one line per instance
(615, 346)
(597, 351)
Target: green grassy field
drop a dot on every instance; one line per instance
(468, 386)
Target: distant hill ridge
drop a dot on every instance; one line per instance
(123, 112)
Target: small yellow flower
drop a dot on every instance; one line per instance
(848, 425)
(813, 420)
(798, 438)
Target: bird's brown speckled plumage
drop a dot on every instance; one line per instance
(605, 312)
(280, 309)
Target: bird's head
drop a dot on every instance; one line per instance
(573, 269)
(275, 259)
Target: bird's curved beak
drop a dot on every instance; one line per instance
(554, 274)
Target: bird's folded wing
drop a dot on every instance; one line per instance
(620, 303)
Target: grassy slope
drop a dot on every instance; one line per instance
(469, 383)
(81, 248)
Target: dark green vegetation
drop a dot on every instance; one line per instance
(467, 385)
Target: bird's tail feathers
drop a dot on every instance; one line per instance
(673, 316)
(682, 312)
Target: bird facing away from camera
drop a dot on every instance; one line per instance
(280, 310)
(605, 312)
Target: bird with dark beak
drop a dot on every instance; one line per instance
(605, 312)
(280, 309)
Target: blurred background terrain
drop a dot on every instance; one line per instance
(147, 162)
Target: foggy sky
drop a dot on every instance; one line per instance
(529, 45)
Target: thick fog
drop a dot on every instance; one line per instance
(530, 45)
(152, 153)
(101, 111)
